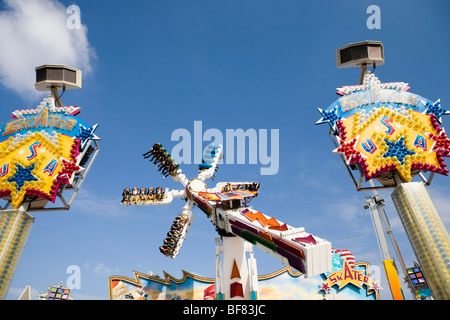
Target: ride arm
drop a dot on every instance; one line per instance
(303, 251)
(159, 156)
(166, 198)
(210, 162)
(186, 214)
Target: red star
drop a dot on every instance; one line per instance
(69, 168)
(325, 287)
(348, 150)
(442, 142)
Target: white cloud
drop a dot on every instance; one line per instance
(33, 33)
(100, 269)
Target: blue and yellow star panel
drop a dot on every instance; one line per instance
(381, 127)
(40, 151)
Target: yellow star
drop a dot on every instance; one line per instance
(350, 275)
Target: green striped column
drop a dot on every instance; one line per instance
(15, 227)
(427, 234)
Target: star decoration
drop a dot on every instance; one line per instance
(371, 83)
(375, 286)
(350, 276)
(70, 167)
(86, 134)
(325, 287)
(398, 149)
(370, 78)
(436, 110)
(329, 116)
(40, 150)
(441, 142)
(36, 177)
(347, 275)
(22, 175)
(47, 103)
(348, 150)
(395, 130)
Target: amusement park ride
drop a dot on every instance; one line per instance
(240, 226)
(382, 132)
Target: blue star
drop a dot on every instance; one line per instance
(86, 134)
(398, 149)
(329, 116)
(22, 174)
(436, 109)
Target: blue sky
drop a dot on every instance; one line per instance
(151, 67)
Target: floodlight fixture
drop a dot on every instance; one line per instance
(61, 76)
(57, 77)
(360, 54)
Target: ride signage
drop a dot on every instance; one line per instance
(348, 275)
(40, 151)
(381, 128)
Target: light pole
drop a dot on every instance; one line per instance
(45, 153)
